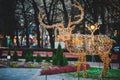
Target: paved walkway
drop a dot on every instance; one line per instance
(30, 74)
(17, 74)
(34, 74)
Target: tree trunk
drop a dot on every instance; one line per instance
(36, 10)
(49, 20)
(65, 13)
(52, 37)
(25, 24)
(17, 39)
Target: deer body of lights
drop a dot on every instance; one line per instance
(83, 45)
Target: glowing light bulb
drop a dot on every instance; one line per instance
(92, 27)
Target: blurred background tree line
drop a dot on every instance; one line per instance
(20, 17)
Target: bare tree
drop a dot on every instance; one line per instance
(49, 11)
(102, 11)
(36, 12)
(60, 25)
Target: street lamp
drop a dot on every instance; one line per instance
(8, 57)
(8, 60)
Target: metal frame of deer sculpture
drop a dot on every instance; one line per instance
(83, 45)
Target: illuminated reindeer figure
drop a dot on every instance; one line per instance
(82, 45)
(103, 45)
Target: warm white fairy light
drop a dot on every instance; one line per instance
(83, 45)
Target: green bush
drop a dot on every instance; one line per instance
(58, 58)
(31, 66)
(15, 56)
(38, 58)
(26, 57)
(47, 58)
(25, 52)
(8, 52)
(14, 65)
(65, 62)
(29, 57)
(54, 59)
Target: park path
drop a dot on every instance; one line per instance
(34, 74)
(30, 74)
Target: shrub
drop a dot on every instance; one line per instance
(14, 65)
(38, 58)
(25, 52)
(47, 58)
(59, 69)
(31, 66)
(15, 56)
(63, 69)
(65, 61)
(26, 57)
(54, 59)
(29, 57)
(8, 52)
(58, 58)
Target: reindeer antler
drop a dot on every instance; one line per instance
(80, 16)
(41, 18)
(61, 24)
(65, 33)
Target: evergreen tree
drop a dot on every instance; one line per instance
(59, 58)
(54, 59)
(24, 54)
(65, 62)
(9, 52)
(26, 57)
(15, 56)
(29, 57)
(59, 53)
(38, 58)
(47, 58)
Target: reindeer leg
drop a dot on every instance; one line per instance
(82, 59)
(84, 66)
(78, 66)
(103, 70)
(103, 60)
(106, 61)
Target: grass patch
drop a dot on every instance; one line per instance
(94, 73)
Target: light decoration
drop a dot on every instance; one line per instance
(82, 45)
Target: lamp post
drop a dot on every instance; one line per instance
(8, 60)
